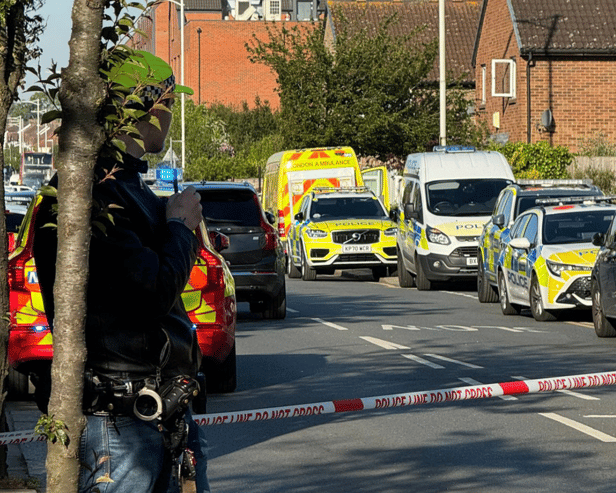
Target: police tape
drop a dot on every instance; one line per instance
(455, 394)
(413, 398)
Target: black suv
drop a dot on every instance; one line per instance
(255, 255)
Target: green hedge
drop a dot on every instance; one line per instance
(536, 161)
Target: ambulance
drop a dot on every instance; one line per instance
(289, 175)
(449, 196)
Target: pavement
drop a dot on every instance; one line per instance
(26, 460)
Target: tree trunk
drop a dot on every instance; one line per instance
(12, 63)
(80, 139)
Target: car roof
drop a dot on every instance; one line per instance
(567, 208)
(555, 187)
(220, 185)
(361, 192)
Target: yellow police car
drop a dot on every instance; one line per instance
(511, 202)
(341, 228)
(546, 262)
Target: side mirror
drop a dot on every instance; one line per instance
(410, 212)
(520, 244)
(219, 241)
(394, 214)
(598, 239)
(270, 218)
(499, 220)
(299, 216)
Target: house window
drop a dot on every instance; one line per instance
(484, 71)
(503, 78)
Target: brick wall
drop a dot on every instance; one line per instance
(579, 92)
(217, 58)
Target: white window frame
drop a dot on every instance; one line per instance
(484, 77)
(512, 77)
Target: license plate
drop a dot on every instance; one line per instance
(471, 261)
(356, 248)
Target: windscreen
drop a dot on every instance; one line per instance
(465, 197)
(326, 208)
(575, 227)
(237, 207)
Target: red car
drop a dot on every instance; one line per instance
(209, 298)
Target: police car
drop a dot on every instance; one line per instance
(547, 260)
(209, 298)
(511, 202)
(341, 228)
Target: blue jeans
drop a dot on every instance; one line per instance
(128, 451)
(198, 444)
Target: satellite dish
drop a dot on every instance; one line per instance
(547, 120)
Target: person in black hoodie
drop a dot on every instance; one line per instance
(139, 339)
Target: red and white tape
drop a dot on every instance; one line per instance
(413, 398)
(382, 402)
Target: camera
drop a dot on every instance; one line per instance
(171, 397)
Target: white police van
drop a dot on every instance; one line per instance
(449, 195)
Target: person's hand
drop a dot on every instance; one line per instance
(185, 207)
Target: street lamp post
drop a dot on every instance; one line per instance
(199, 31)
(182, 95)
(38, 120)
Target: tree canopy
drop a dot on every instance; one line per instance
(369, 90)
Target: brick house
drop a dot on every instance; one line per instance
(216, 62)
(461, 20)
(545, 70)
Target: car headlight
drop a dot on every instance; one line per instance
(557, 268)
(437, 236)
(316, 233)
(390, 231)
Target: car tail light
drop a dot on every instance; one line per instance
(17, 271)
(271, 235)
(281, 231)
(11, 242)
(215, 273)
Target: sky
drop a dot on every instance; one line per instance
(54, 41)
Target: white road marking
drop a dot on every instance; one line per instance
(382, 343)
(392, 327)
(472, 381)
(417, 359)
(568, 392)
(290, 310)
(580, 427)
(601, 416)
(329, 324)
(461, 294)
(445, 358)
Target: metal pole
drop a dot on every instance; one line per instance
(442, 85)
(199, 31)
(183, 96)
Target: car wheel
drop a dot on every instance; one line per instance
(423, 283)
(603, 325)
(485, 292)
(405, 279)
(276, 308)
(378, 272)
(506, 307)
(18, 384)
(308, 273)
(292, 271)
(536, 303)
(221, 378)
